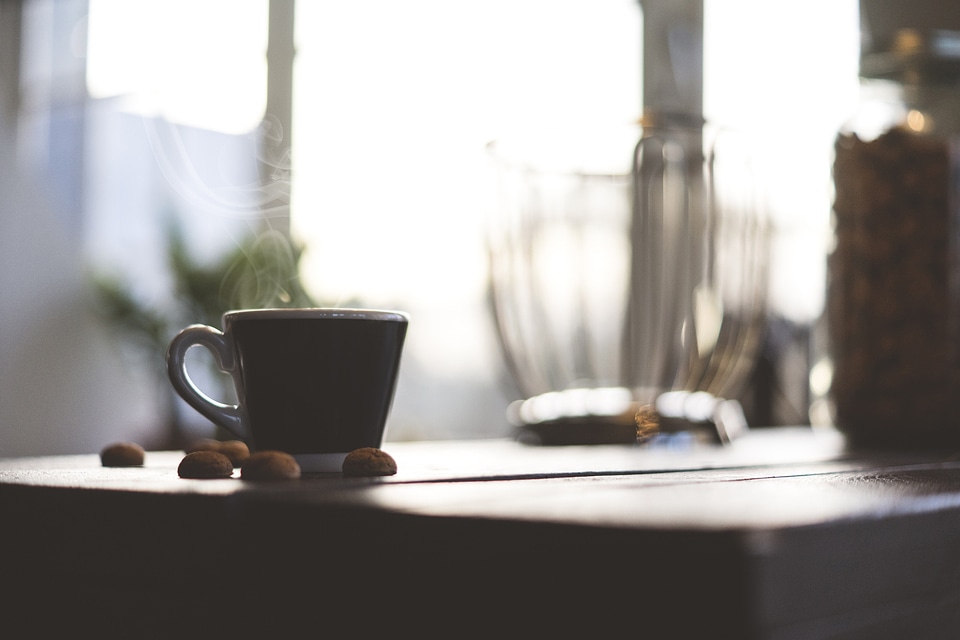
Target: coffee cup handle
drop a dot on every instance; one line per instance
(228, 416)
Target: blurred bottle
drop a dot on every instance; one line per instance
(893, 293)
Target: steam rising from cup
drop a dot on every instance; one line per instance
(266, 197)
(263, 271)
(266, 277)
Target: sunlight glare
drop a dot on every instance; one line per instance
(201, 64)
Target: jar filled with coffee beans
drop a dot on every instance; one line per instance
(893, 290)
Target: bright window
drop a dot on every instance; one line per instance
(393, 104)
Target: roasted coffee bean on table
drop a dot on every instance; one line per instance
(122, 454)
(236, 450)
(202, 444)
(369, 461)
(270, 465)
(205, 465)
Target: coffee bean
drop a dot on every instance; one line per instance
(236, 450)
(369, 461)
(122, 454)
(205, 465)
(202, 444)
(269, 466)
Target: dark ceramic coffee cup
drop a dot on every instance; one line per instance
(316, 383)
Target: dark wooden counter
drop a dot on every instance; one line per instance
(782, 535)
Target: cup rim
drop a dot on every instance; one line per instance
(307, 313)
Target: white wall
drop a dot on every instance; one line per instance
(64, 385)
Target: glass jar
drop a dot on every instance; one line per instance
(893, 290)
(626, 263)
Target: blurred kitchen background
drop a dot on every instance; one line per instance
(155, 153)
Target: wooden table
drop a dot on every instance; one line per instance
(784, 535)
